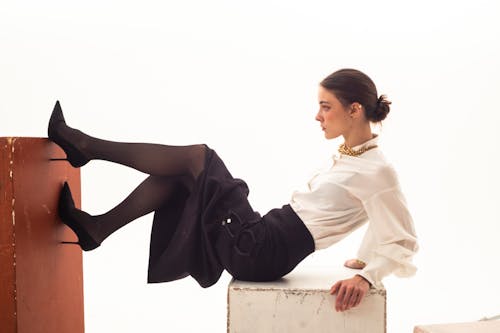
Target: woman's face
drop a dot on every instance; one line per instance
(335, 119)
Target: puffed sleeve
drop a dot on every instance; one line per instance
(390, 241)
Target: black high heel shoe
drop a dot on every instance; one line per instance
(76, 220)
(75, 157)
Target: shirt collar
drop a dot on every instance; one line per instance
(372, 142)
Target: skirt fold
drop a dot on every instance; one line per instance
(213, 227)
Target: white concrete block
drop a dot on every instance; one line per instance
(474, 327)
(301, 302)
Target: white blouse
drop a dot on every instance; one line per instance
(351, 192)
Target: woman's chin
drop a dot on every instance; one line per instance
(329, 136)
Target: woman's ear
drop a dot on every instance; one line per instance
(356, 110)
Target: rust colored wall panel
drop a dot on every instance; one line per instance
(7, 268)
(40, 278)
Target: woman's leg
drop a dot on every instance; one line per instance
(150, 195)
(153, 159)
(171, 168)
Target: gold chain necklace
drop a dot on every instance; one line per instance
(344, 149)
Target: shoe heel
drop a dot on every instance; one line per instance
(85, 246)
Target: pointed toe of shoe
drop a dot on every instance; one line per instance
(55, 118)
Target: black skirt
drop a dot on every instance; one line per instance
(212, 227)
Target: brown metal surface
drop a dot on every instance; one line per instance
(48, 286)
(7, 268)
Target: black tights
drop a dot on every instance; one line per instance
(169, 167)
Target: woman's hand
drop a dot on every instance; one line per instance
(350, 292)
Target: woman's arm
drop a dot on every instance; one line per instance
(388, 247)
(392, 242)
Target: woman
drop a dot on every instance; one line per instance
(204, 224)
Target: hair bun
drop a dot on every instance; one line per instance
(380, 110)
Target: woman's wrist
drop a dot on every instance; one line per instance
(362, 278)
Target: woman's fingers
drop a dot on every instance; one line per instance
(355, 264)
(349, 292)
(359, 298)
(352, 299)
(340, 297)
(335, 288)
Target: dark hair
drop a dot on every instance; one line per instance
(350, 86)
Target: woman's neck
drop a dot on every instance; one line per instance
(358, 136)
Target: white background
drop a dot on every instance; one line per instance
(242, 76)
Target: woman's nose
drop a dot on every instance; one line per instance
(318, 116)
